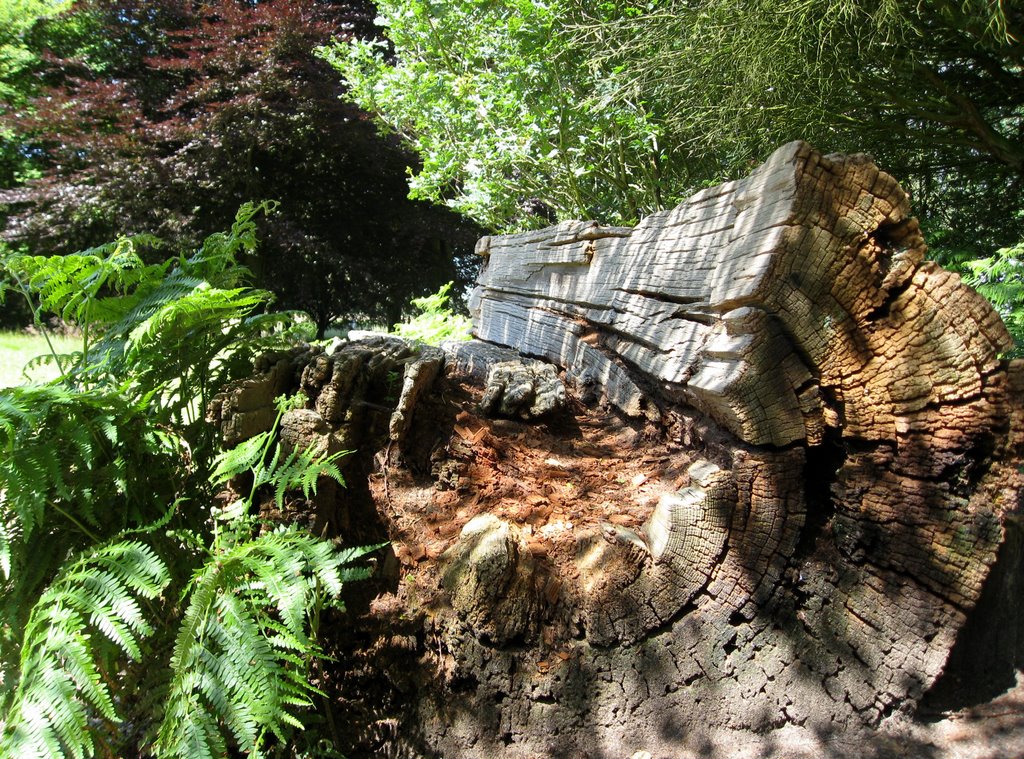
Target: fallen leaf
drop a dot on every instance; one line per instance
(556, 474)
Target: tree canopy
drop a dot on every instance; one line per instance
(934, 91)
(179, 112)
(612, 110)
(513, 126)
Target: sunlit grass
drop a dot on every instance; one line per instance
(18, 348)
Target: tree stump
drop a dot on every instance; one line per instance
(831, 449)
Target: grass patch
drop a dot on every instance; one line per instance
(18, 348)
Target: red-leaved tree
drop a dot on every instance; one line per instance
(176, 112)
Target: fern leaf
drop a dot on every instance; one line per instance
(300, 470)
(242, 652)
(70, 462)
(241, 458)
(60, 684)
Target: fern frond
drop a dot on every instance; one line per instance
(203, 305)
(88, 287)
(216, 260)
(241, 458)
(61, 686)
(243, 649)
(150, 299)
(157, 340)
(70, 461)
(299, 470)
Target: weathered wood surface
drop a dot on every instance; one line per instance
(777, 304)
(847, 442)
(860, 382)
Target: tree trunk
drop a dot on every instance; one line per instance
(786, 518)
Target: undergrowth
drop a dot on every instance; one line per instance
(436, 321)
(135, 617)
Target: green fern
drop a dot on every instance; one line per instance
(163, 327)
(242, 652)
(243, 457)
(64, 467)
(61, 688)
(88, 466)
(435, 322)
(1000, 278)
(298, 470)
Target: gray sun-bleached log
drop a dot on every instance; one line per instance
(747, 300)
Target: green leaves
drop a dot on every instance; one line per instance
(245, 456)
(166, 331)
(88, 466)
(527, 112)
(1000, 278)
(17, 53)
(435, 322)
(63, 682)
(70, 463)
(87, 287)
(242, 652)
(500, 106)
(297, 469)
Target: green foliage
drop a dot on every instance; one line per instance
(1000, 278)
(169, 329)
(52, 503)
(435, 322)
(64, 670)
(103, 474)
(294, 470)
(511, 122)
(934, 91)
(241, 656)
(162, 115)
(17, 53)
(610, 110)
(31, 31)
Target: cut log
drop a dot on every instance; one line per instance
(796, 309)
(812, 454)
(783, 304)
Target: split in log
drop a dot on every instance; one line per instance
(834, 448)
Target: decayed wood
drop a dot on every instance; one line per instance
(680, 547)
(795, 308)
(360, 394)
(776, 303)
(848, 445)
